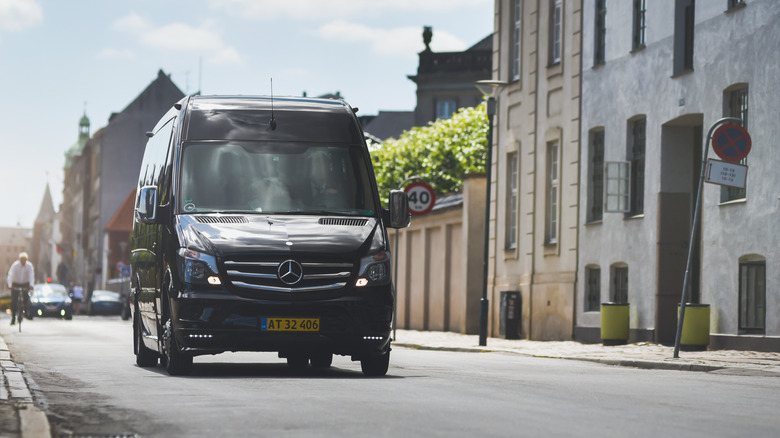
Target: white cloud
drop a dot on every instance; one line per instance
(320, 10)
(17, 15)
(400, 41)
(131, 23)
(111, 53)
(180, 37)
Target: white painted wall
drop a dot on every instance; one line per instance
(729, 48)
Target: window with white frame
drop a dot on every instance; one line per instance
(445, 109)
(619, 284)
(517, 15)
(511, 200)
(592, 288)
(556, 30)
(736, 105)
(618, 179)
(752, 296)
(553, 191)
(596, 186)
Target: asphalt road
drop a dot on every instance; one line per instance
(86, 380)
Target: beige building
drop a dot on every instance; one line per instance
(535, 176)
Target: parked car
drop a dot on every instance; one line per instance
(105, 302)
(49, 299)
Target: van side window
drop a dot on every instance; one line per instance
(155, 158)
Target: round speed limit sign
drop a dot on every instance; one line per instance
(421, 198)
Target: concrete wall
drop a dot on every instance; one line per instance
(439, 266)
(733, 47)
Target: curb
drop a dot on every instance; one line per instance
(33, 422)
(629, 363)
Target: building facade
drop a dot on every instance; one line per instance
(445, 80)
(99, 176)
(656, 77)
(535, 176)
(13, 240)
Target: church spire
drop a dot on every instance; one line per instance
(84, 127)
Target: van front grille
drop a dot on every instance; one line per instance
(222, 219)
(288, 275)
(343, 221)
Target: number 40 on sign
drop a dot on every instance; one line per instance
(421, 197)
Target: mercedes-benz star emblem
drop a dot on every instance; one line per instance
(290, 272)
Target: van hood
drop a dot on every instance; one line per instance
(229, 235)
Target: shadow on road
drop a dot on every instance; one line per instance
(268, 370)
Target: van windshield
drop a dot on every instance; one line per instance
(274, 177)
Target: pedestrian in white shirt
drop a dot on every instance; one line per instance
(21, 277)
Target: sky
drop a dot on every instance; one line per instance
(62, 59)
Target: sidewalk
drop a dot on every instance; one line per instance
(19, 417)
(639, 355)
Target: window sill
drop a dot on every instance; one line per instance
(638, 49)
(733, 202)
(596, 222)
(682, 73)
(636, 216)
(736, 8)
(554, 69)
(598, 65)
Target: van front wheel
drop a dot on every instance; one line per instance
(176, 362)
(144, 357)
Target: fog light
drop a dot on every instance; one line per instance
(62, 312)
(373, 338)
(361, 282)
(214, 280)
(200, 336)
(40, 312)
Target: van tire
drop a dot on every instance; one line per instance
(175, 362)
(375, 365)
(144, 357)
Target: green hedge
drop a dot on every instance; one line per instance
(441, 152)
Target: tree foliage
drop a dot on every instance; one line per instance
(441, 152)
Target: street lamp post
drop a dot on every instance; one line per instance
(489, 88)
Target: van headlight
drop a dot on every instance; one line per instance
(198, 267)
(374, 269)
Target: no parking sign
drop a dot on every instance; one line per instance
(731, 142)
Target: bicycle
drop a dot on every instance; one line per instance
(20, 304)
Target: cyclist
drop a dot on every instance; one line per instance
(21, 277)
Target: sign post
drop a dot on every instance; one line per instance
(732, 143)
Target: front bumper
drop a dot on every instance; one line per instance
(356, 325)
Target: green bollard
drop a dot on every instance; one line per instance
(614, 323)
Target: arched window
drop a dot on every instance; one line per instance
(618, 287)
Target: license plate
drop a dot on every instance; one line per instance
(290, 324)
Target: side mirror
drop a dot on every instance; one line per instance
(400, 217)
(146, 205)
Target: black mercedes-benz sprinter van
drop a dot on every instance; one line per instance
(258, 227)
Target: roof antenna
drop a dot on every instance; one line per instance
(273, 120)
